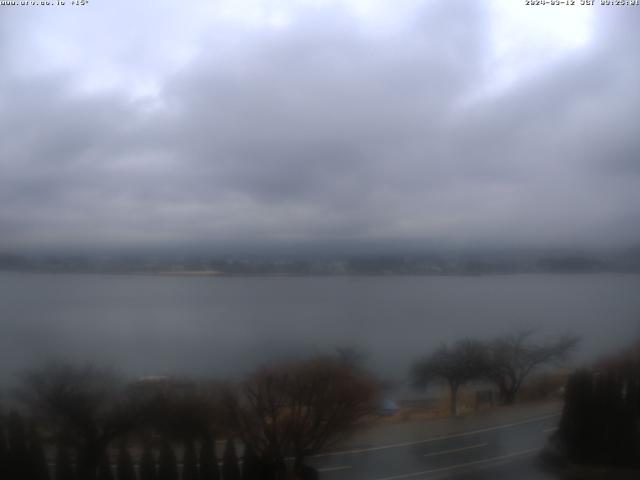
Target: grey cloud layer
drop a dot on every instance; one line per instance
(324, 130)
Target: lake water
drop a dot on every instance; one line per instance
(225, 326)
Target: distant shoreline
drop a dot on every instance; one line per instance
(219, 274)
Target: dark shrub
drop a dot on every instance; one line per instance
(189, 462)
(147, 464)
(208, 460)
(230, 469)
(125, 468)
(167, 465)
(64, 466)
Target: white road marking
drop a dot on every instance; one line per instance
(476, 468)
(461, 465)
(454, 450)
(334, 469)
(435, 439)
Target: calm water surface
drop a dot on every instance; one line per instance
(225, 326)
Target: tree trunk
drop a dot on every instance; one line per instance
(454, 399)
(508, 395)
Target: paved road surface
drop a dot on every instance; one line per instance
(502, 444)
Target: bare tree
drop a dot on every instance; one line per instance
(513, 357)
(83, 406)
(298, 409)
(455, 365)
(351, 356)
(179, 409)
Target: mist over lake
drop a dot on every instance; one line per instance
(223, 327)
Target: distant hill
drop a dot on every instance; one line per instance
(627, 260)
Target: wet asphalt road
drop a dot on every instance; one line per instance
(500, 445)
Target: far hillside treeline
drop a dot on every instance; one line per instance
(627, 260)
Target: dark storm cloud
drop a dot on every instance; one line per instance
(329, 127)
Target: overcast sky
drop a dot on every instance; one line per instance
(169, 123)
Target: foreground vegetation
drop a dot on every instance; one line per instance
(280, 415)
(89, 424)
(600, 423)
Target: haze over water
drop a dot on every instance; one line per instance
(222, 327)
(241, 128)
